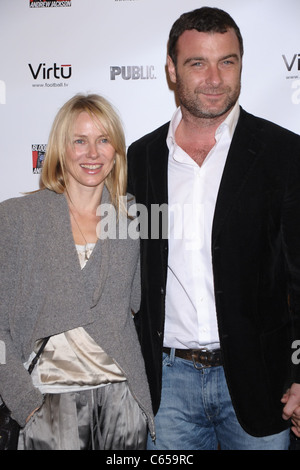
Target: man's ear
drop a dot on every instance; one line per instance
(171, 69)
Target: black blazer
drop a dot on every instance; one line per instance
(256, 265)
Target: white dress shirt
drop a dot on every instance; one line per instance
(191, 320)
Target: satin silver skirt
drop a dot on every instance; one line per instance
(106, 418)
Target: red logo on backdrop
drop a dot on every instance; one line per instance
(49, 3)
(38, 155)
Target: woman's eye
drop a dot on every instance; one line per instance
(104, 140)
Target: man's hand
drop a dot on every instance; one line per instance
(291, 410)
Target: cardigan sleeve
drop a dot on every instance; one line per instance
(16, 389)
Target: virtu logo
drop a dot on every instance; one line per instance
(57, 72)
(290, 63)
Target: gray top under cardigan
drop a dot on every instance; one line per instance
(43, 292)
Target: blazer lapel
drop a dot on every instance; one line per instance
(158, 167)
(158, 188)
(245, 147)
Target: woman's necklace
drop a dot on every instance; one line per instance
(87, 250)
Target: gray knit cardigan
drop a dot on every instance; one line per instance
(43, 292)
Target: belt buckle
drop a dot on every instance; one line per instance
(203, 366)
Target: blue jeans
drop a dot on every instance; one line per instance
(196, 412)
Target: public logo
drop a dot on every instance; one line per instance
(49, 3)
(38, 156)
(132, 72)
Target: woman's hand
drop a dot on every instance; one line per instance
(31, 414)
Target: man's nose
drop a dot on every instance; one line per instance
(214, 76)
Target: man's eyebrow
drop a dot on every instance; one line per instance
(195, 59)
(230, 56)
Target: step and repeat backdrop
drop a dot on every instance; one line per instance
(51, 50)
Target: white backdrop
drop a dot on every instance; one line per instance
(51, 50)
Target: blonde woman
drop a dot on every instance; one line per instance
(89, 388)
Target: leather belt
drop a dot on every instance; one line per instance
(201, 358)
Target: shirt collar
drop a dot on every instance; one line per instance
(229, 123)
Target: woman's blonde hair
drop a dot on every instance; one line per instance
(54, 175)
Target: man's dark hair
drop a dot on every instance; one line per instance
(204, 20)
